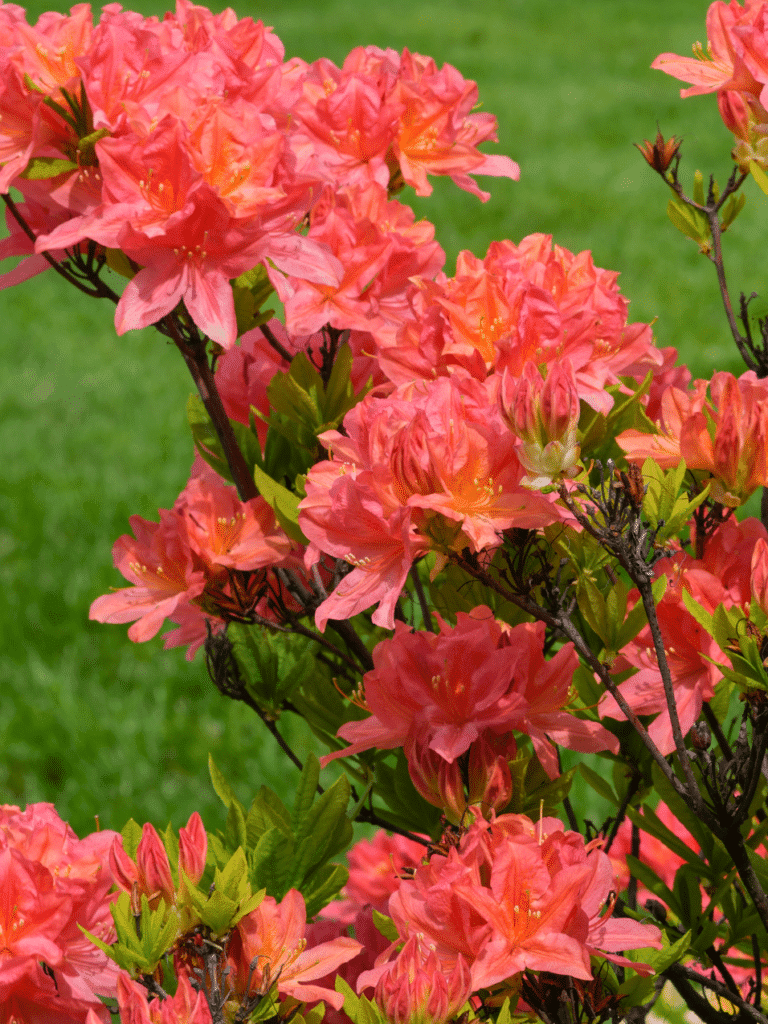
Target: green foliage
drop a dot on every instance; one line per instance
(359, 1009)
(637, 989)
(282, 849)
(271, 664)
(690, 222)
(142, 941)
(665, 506)
(407, 808)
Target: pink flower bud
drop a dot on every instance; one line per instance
(545, 416)
(490, 780)
(193, 847)
(759, 580)
(418, 989)
(437, 780)
(154, 870)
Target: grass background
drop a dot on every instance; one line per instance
(93, 428)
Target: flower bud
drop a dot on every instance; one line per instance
(545, 416)
(154, 870)
(418, 989)
(193, 848)
(759, 580)
(660, 153)
(437, 780)
(490, 780)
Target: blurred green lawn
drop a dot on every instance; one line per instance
(93, 428)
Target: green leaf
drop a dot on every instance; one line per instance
(266, 811)
(600, 785)
(234, 832)
(692, 223)
(759, 175)
(272, 862)
(305, 791)
(221, 787)
(40, 168)
(386, 926)
(322, 886)
(131, 834)
(731, 210)
(327, 817)
(285, 504)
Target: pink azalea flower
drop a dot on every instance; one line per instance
(430, 466)
(165, 576)
(272, 937)
(722, 67)
(445, 690)
(52, 882)
(727, 437)
(515, 895)
(185, 1007)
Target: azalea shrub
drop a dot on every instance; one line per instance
(476, 529)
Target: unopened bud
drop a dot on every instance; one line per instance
(660, 153)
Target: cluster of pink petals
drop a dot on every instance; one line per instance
(534, 302)
(375, 869)
(514, 895)
(186, 1006)
(446, 691)
(51, 883)
(180, 567)
(380, 246)
(272, 937)
(735, 66)
(722, 577)
(725, 435)
(431, 466)
(213, 149)
(150, 873)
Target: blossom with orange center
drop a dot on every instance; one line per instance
(272, 939)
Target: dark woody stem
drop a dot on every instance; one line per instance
(196, 358)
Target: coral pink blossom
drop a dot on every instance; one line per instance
(187, 1006)
(514, 895)
(721, 67)
(431, 466)
(445, 690)
(159, 563)
(272, 938)
(52, 883)
(727, 437)
(534, 302)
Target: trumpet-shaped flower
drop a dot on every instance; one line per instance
(443, 691)
(52, 882)
(515, 895)
(726, 437)
(272, 938)
(431, 466)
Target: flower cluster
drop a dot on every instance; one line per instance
(194, 148)
(459, 695)
(53, 884)
(207, 557)
(514, 895)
